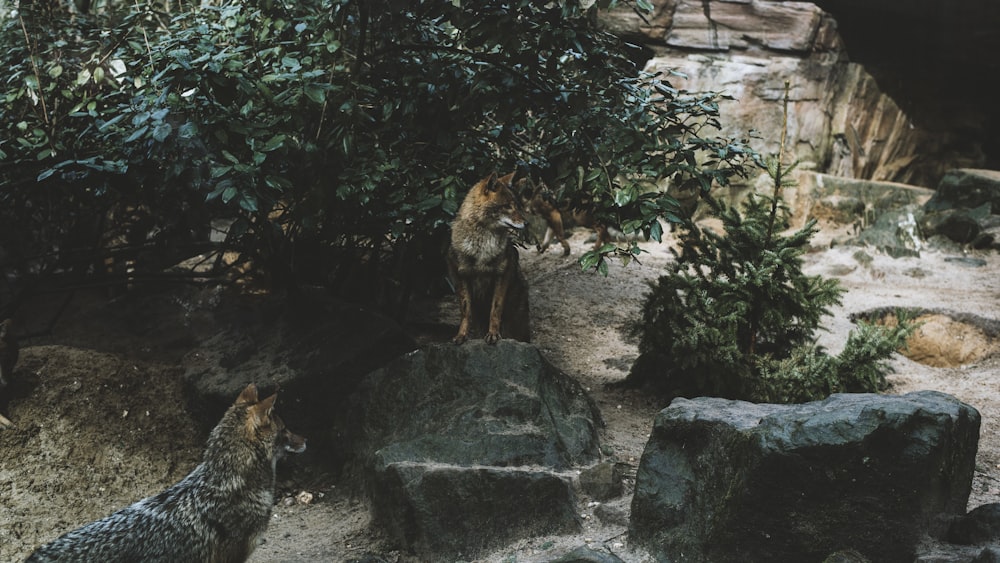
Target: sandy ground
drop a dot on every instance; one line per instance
(97, 430)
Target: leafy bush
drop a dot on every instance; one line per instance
(809, 374)
(735, 316)
(335, 140)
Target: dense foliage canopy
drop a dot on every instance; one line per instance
(333, 139)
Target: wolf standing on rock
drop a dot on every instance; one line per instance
(214, 515)
(483, 263)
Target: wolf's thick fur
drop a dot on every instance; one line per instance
(215, 515)
(483, 263)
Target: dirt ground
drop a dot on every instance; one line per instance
(100, 419)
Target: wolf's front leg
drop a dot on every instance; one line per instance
(465, 306)
(496, 309)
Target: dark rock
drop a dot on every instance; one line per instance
(967, 188)
(960, 225)
(612, 514)
(452, 438)
(725, 480)
(980, 525)
(474, 404)
(895, 232)
(966, 261)
(602, 481)
(947, 553)
(985, 239)
(586, 554)
(990, 554)
(452, 512)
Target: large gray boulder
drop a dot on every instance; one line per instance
(724, 480)
(466, 448)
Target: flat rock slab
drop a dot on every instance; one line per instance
(446, 512)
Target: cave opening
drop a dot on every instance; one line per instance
(936, 59)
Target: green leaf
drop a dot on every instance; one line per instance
(624, 196)
(316, 92)
(137, 134)
(221, 187)
(111, 122)
(278, 183)
(589, 260)
(248, 203)
(45, 174)
(274, 142)
(656, 231)
(162, 131)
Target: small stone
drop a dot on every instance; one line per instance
(602, 481)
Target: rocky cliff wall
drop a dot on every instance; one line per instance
(853, 112)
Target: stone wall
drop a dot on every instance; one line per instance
(841, 120)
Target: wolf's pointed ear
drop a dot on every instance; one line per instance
(248, 396)
(260, 412)
(491, 182)
(507, 180)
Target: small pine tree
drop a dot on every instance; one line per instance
(735, 316)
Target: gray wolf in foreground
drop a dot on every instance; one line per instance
(216, 514)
